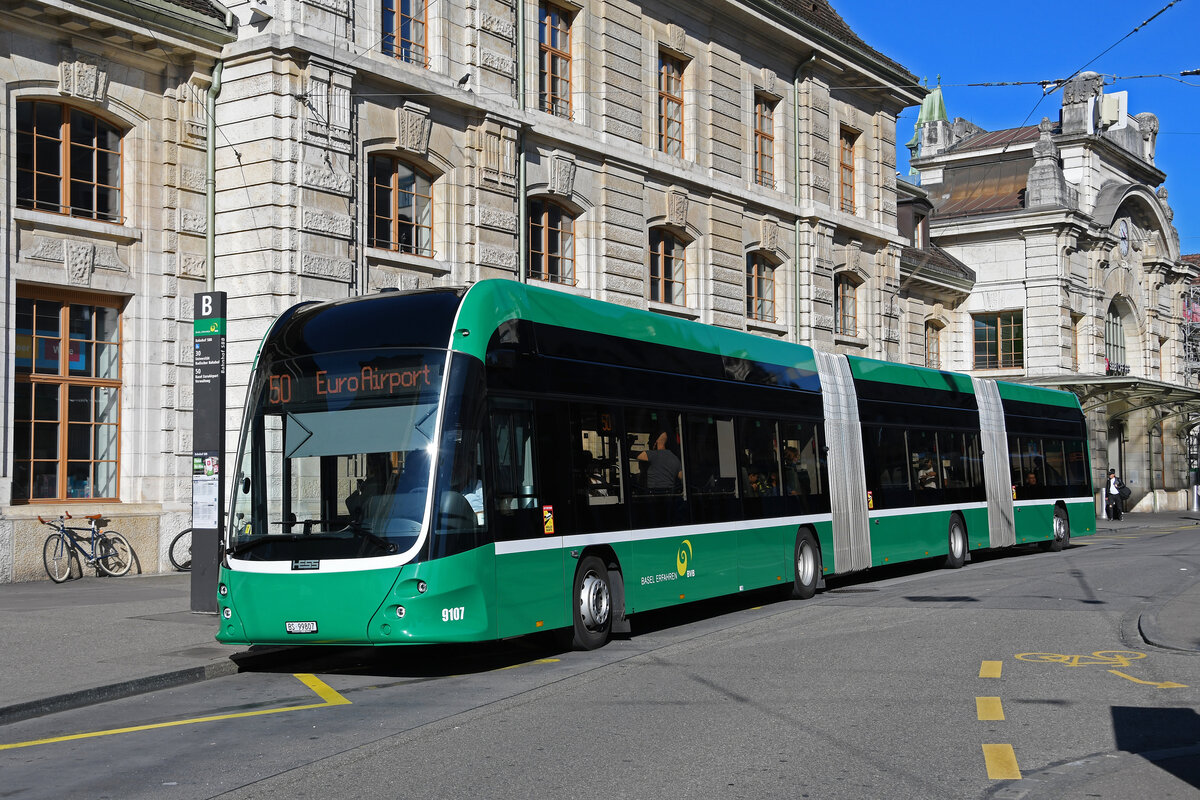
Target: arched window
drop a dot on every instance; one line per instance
(760, 288)
(401, 210)
(1114, 343)
(551, 242)
(668, 268)
(845, 305)
(68, 161)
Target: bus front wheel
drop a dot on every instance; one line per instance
(957, 554)
(592, 600)
(808, 567)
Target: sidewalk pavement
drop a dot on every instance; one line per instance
(97, 639)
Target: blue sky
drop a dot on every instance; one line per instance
(1021, 40)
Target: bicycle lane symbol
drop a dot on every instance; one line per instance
(1109, 658)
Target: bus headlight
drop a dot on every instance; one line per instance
(421, 587)
(400, 612)
(227, 612)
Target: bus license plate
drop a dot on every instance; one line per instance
(301, 627)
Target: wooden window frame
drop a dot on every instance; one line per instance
(1003, 345)
(411, 48)
(558, 264)
(764, 142)
(35, 145)
(933, 345)
(845, 308)
(670, 104)
(668, 268)
(847, 144)
(395, 223)
(554, 60)
(760, 288)
(68, 386)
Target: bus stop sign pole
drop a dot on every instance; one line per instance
(208, 446)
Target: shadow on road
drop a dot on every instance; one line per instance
(1158, 735)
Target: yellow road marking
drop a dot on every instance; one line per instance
(1158, 684)
(990, 669)
(1001, 762)
(528, 663)
(328, 696)
(989, 708)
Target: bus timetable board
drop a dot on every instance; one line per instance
(471, 464)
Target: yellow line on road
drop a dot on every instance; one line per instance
(1001, 762)
(1156, 684)
(991, 669)
(328, 696)
(989, 708)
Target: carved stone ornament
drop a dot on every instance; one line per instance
(80, 261)
(677, 208)
(562, 175)
(769, 234)
(413, 127)
(1082, 87)
(676, 38)
(83, 76)
(768, 81)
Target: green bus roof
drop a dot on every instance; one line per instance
(1024, 393)
(489, 303)
(908, 375)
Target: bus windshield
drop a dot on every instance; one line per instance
(336, 456)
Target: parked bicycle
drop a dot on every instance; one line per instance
(108, 551)
(180, 551)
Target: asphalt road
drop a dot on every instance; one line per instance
(1021, 675)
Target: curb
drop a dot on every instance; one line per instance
(115, 691)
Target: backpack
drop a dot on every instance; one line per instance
(1123, 490)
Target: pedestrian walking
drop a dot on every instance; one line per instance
(1115, 493)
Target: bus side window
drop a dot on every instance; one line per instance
(515, 491)
(658, 477)
(1077, 474)
(711, 468)
(923, 460)
(1056, 467)
(802, 445)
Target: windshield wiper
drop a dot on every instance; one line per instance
(361, 532)
(246, 547)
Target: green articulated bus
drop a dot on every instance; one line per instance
(455, 465)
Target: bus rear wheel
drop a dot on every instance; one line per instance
(592, 599)
(1062, 532)
(957, 554)
(808, 566)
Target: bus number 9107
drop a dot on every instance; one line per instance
(454, 614)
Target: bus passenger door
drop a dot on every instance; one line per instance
(529, 560)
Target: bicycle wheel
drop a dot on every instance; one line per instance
(58, 555)
(180, 551)
(113, 553)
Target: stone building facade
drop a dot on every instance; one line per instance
(1079, 277)
(728, 162)
(104, 142)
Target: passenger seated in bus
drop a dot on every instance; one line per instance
(664, 468)
(927, 476)
(1031, 479)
